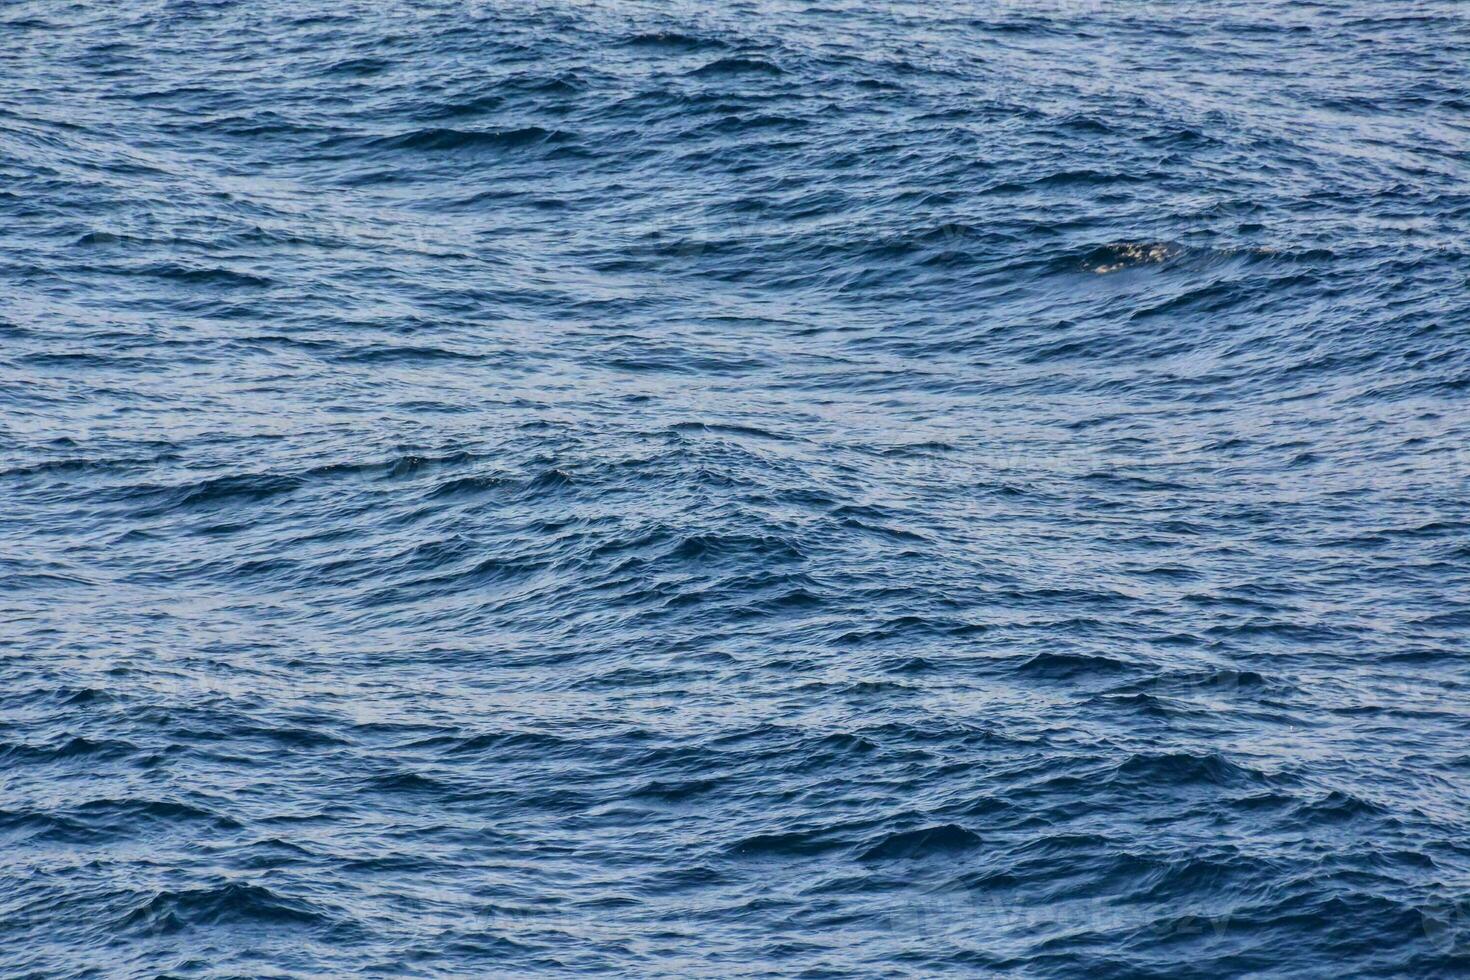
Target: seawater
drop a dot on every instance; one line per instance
(773, 488)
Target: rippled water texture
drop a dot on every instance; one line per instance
(786, 488)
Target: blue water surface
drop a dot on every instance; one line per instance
(803, 488)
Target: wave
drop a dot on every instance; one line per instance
(171, 911)
(440, 139)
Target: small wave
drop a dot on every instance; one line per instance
(1183, 768)
(407, 354)
(789, 845)
(170, 911)
(937, 841)
(75, 747)
(1071, 666)
(701, 547)
(222, 490)
(674, 41)
(726, 67)
(513, 486)
(714, 428)
(1129, 255)
(439, 140)
(204, 275)
(675, 791)
(358, 67)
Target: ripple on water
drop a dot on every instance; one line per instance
(777, 490)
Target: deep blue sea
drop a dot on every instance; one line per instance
(801, 488)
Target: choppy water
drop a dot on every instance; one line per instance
(776, 488)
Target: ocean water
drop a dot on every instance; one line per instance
(813, 489)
